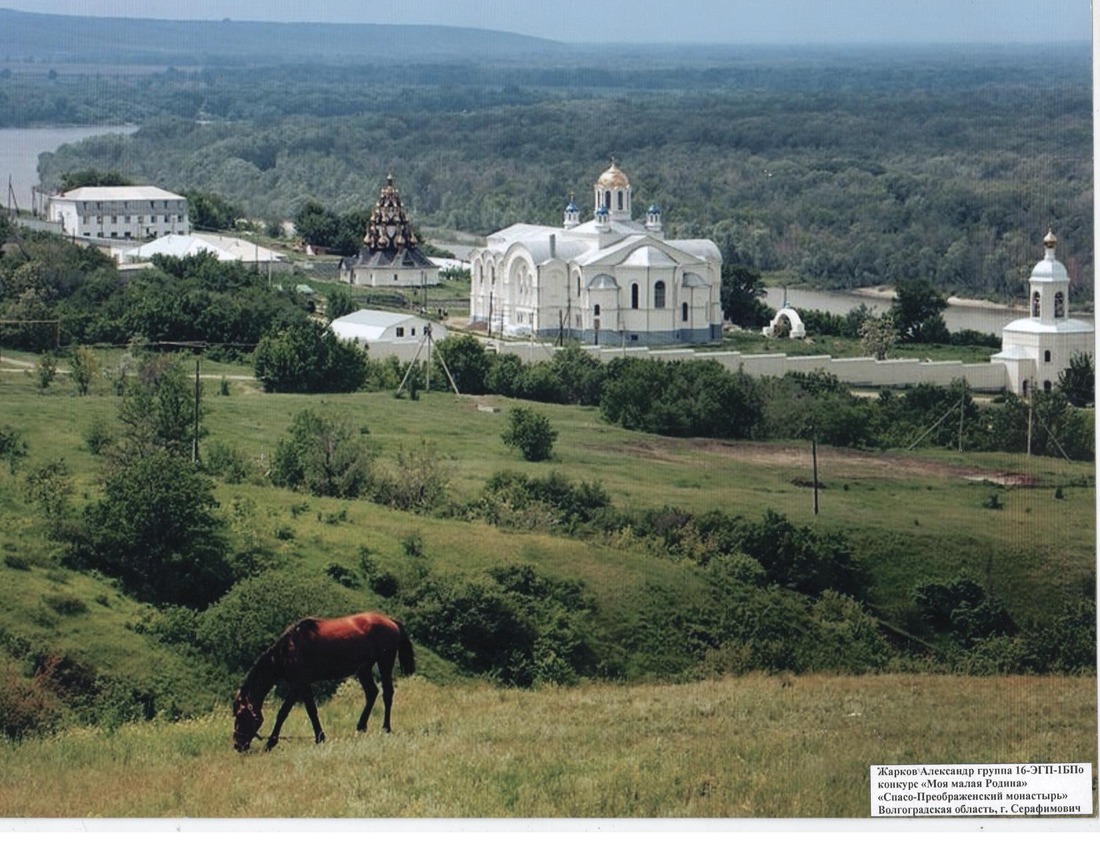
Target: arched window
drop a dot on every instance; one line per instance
(634, 296)
(596, 310)
(607, 199)
(1046, 356)
(684, 312)
(1059, 305)
(1047, 387)
(659, 295)
(1035, 304)
(620, 199)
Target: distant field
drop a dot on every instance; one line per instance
(757, 746)
(910, 514)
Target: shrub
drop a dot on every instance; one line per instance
(98, 438)
(419, 482)
(963, 608)
(531, 433)
(246, 620)
(307, 358)
(156, 530)
(323, 454)
(229, 464)
(28, 706)
(513, 499)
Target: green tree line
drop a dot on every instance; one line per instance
(843, 170)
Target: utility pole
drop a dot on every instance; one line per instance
(814, 446)
(962, 413)
(195, 435)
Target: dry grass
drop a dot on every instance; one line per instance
(757, 746)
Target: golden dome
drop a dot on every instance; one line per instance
(613, 178)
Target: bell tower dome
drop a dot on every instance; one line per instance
(612, 192)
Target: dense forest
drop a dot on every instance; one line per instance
(840, 167)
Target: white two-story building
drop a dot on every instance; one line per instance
(135, 213)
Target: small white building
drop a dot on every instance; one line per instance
(386, 333)
(1036, 349)
(119, 212)
(228, 249)
(610, 280)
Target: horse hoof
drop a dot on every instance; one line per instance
(271, 743)
(320, 738)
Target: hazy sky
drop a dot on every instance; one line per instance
(782, 21)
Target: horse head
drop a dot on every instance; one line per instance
(247, 720)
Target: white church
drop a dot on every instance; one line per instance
(607, 281)
(1035, 349)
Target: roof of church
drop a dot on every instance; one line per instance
(613, 178)
(390, 241)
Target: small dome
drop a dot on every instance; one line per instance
(613, 178)
(572, 208)
(654, 209)
(1049, 269)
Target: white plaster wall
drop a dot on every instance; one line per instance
(989, 377)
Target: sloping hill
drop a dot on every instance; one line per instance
(69, 38)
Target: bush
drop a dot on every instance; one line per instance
(531, 433)
(28, 707)
(309, 359)
(513, 499)
(323, 454)
(156, 530)
(245, 621)
(229, 464)
(521, 629)
(963, 608)
(418, 483)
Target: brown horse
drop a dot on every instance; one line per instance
(322, 649)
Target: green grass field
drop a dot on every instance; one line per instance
(759, 745)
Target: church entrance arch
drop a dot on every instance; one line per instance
(787, 319)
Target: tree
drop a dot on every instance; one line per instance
(82, 369)
(157, 410)
(339, 303)
(50, 486)
(531, 433)
(209, 211)
(156, 529)
(468, 362)
(742, 297)
(309, 359)
(1078, 380)
(918, 312)
(12, 447)
(322, 454)
(92, 177)
(877, 336)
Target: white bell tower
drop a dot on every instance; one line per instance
(1048, 299)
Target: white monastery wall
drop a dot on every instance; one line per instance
(861, 372)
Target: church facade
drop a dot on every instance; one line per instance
(608, 281)
(1035, 349)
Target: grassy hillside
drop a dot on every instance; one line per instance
(910, 514)
(756, 746)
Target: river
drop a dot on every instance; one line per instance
(958, 316)
(19, 150)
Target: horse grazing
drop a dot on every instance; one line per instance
(322, 649)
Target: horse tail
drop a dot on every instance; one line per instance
(405, 650)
